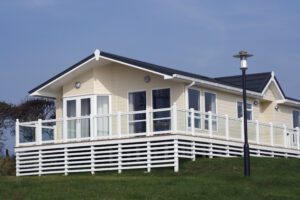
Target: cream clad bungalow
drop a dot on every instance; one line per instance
(117, 113)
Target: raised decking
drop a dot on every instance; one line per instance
(143, 139)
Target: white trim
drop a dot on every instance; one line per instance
(217, 85)
(276, 85)
(36, 93)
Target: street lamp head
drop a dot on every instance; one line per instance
(243, 55)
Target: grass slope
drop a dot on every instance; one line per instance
(218, 178)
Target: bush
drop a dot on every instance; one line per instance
(7, 167)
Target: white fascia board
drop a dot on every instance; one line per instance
(137, 67)
(276, 85)
(37, 92)
(218, 85)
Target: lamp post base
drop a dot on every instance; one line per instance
(246, 160)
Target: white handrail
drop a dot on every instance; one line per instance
(262, 133)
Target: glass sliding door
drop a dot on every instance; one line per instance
(102, 119)
(85, 106)
(71, 123)
(194, 102)
(137, 102)
(161, 119)
(79, 108)
(210, 105)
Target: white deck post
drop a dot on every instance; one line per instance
(38, 132)
(148, 157)
(176, 161)
(257, 131)
(119, 158)
(40, 162)
(192, 111)
(17, 133)
(66, 160)
(92, 160)
(284, 136)
(119, 128)
(193, 151)
(174, 117)
(271, 134)
(210, 124)
(298, 138)
(226, 127)
(92, 129)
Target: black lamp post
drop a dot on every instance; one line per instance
(243, 55)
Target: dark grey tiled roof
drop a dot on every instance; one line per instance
(255, 82)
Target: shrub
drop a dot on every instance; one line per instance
(7, 166)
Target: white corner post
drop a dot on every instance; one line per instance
(285, 136)
(17, 133)
(226, 127)
(148, 122)
(271, 134)
(38, 132)
(174, 117)
(210, 124)
(176, 160)
(119, 128)
(192, 111)
(257, 131)
(298, 138)
(66, 161)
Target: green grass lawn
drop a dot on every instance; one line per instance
(218, 178)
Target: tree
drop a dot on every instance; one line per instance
(28, 110)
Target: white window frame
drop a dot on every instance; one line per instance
(200, 106)
(295, 110)
(128, 109)
(237, 110)
(151, 105)
(217, 123)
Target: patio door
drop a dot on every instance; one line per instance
(137, 105)
(161, 119)
(77, 112)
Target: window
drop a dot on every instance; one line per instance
(161, 119)
(137, 102)
(210, 105)
(102, 120)
(240, 111)
(194, 102)
(296, 118)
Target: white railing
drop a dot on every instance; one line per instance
(153, 122)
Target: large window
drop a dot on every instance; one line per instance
(161, 119)
(103, 118)
(296, 118)
(194, 102)
(240, 110)
(210, 105)
(137, 102)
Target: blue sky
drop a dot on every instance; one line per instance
(40, 38)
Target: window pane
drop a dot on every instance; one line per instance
(194, 99)
(240, 108)
(71, 108)
(296, 119)
(161, 98)
(102, 121)
(85, 107)
(210, 102)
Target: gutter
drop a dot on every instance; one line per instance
(217, 85)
